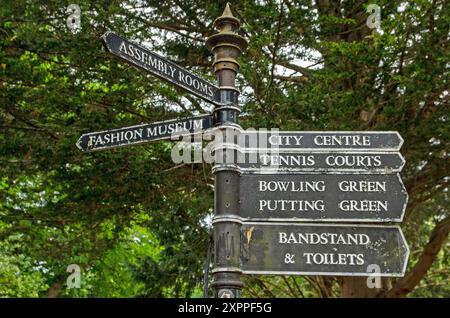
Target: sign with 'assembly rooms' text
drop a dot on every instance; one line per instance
(159, 66)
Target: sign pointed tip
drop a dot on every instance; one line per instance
(403, 161)
(107, 33)
(104, 39)
(401, 140)
(78, 143)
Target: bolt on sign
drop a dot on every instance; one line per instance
(322, 249)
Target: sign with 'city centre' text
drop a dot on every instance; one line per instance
(321, 140)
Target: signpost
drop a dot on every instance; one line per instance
(318, 249)
(287, 176)
(323, 197)
(159, 66)
(143, 133)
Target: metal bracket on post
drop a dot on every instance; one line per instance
(226, 46)
(228, 111)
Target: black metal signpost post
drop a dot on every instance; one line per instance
(276, 179)
(226, 47)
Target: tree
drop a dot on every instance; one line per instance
(59, 206)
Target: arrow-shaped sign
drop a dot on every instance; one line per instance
(159, 66)
(323, 197)
(316, 249)
(319, 140)
(143, 133)
(263, 162)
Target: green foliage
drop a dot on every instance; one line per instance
(20, 275)
(132, 220)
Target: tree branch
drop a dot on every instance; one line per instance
(406, 284)
(293, 79)
(292, 66)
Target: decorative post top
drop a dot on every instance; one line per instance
(226, 20)
(226, 45)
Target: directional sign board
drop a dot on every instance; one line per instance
(295, 162)
(143, 133)
(322, 197)
(313, 249)
(322, 140)
(159, 66)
